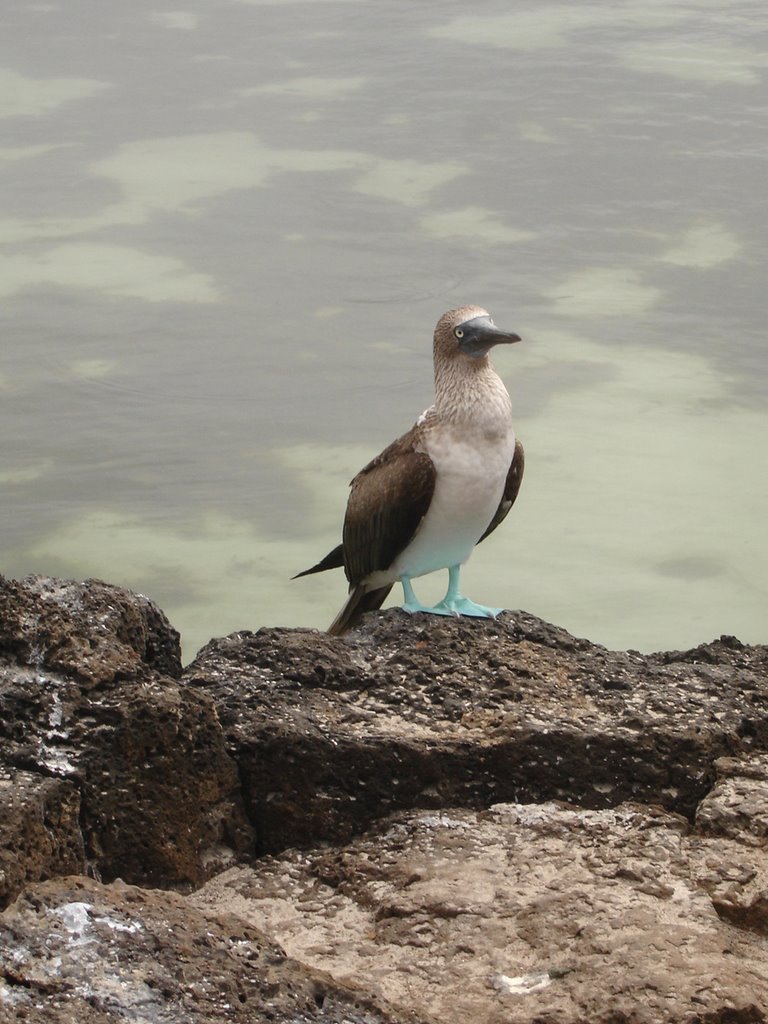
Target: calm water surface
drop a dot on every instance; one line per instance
(227, 231)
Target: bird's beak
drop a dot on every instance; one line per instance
(480, 335)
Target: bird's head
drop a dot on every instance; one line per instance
(468, 333)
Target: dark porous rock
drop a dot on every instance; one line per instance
(419, 711)
(528, 914)
(39, 830)
(458, 819)
(92, 631)
(89, 700)
(73, 951)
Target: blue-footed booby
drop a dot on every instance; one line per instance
(441, 488)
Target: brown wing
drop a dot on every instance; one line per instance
(389, 498)
(511, 487)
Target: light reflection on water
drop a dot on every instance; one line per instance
(227, 235)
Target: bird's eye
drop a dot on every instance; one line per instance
(459, 333)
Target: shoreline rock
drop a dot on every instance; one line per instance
(524, 912)
(432, 818)
(93, 714)
(86, 953)
(329, 735)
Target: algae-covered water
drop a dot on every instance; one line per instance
(227, 231)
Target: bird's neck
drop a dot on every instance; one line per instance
(466, 390)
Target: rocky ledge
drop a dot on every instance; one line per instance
(426, 820)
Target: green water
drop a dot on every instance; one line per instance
(227, 230)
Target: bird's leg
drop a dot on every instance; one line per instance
(411, 603)
(454, 604)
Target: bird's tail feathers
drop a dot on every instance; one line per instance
(333, 560)
(358, 603)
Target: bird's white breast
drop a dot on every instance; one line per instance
(471, 461)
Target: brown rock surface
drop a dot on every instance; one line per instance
(331, 734)
(39, 830)
(737, 805)
(92, 631)
(77, 952)
(465, 819)
(521, 914)
(84, 703)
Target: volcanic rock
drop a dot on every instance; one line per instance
(330, 734)
(118, 750)
(427, 819)
(76, 952)
(525, 913)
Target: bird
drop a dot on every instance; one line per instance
(433, 494)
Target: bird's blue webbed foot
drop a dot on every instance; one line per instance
(463, 606)
(452, 604)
